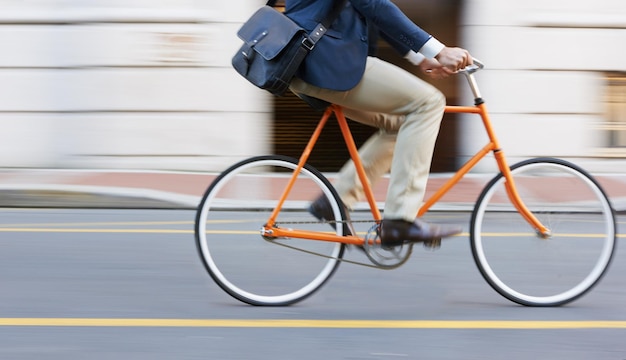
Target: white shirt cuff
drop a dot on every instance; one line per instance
(432, 48)
(414, 58)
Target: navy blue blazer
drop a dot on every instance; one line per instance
(338, 60)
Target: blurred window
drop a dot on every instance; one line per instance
(615, 126)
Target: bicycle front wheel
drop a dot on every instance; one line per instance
(533, 270)
(258, 270)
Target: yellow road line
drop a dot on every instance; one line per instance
(135, 231)
(557, 235)
(101, 223)
(303, 323)
(232, 232)
(55, 230)
(120, 223)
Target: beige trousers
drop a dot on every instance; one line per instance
(408, 112)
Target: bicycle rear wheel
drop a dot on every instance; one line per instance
(247, 266)
(527, 268)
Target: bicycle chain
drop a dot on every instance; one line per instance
(319, 254)
(326, 222)
(375, 258)
(323, 255)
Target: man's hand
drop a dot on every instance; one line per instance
(433, 69)
(453, 59)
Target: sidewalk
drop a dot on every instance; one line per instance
(181, 190)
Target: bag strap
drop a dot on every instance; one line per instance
(308, 43)
(323, 26)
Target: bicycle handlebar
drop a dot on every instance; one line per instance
(470, 69)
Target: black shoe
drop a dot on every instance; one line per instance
(320, 208)
(398, 232)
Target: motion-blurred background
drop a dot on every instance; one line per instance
(147, 84)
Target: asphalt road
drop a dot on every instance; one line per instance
(128, 284)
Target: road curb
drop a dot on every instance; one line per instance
(60, 196)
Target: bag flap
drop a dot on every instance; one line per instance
(268, 32)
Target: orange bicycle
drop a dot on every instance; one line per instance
(542, 231)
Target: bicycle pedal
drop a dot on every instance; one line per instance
(433, 244)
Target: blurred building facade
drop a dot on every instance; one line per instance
(147, 84)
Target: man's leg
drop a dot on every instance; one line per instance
(376, 154)
(399, 103)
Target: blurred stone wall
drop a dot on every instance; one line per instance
(139, 84)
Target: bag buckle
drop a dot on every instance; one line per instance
(308, 44)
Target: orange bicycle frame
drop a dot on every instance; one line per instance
(492, 146)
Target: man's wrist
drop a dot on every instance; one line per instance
(432, 48)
